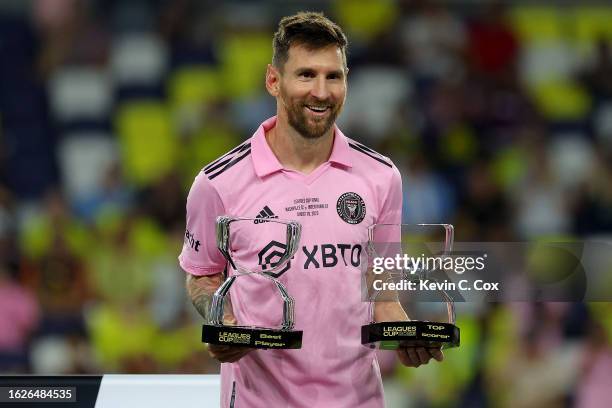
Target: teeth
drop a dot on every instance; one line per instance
(318, 109)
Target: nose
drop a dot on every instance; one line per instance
(319, 89)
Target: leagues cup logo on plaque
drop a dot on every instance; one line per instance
(401, 258)
(257, 253)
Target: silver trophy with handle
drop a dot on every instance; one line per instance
(389, 241)
(261, 247)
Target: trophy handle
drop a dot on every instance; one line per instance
(218, 301)
(217, 306)
(222, 232)
(222, 228)
(288, 306)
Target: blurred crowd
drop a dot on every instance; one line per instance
(499, 117)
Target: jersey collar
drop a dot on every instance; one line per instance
(265, 162)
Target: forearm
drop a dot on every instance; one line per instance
(201, 290)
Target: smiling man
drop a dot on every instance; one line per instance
(299, 165)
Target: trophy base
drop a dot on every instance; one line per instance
(393, 335)
(254, 337)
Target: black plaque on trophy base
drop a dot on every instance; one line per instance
(392, 335)
(254, 337)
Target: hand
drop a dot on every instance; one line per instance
(415, 356)
(228, 354)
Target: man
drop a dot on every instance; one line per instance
(300, 156)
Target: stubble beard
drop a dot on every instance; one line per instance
(307, 127)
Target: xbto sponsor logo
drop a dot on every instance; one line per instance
(329, 255)
(317, 256)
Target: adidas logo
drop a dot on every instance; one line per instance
(265, 213)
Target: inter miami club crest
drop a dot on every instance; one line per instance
(351, 208)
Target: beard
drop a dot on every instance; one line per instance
(308, 126)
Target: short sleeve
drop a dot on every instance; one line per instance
(391, 207)
(200, 255)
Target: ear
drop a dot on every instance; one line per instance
(272, 80)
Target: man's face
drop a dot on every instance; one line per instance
(312, 89)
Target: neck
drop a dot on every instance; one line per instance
(294, 151)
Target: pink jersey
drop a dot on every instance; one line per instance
(335, 204)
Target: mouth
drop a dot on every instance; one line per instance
(318, 110)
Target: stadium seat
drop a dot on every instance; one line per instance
(132, 16)
(80, 92)
(542, 61)
(602, 124)
(244, 57)
(108, 325)
(363, 19)
(372, 108)
(562, 101)
(52, 355)
(572, 158)
(207, 144)
(591, 23)
(147, 143)
(30, 165)
(84, 159)
(193, 86)
(537, 23)
(138, 59)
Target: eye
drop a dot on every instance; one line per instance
(306, 74)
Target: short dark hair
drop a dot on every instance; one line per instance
(310, 29)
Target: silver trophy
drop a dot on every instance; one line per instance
(389, 241)
(272, 243)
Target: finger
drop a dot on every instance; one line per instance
(215, 348)
(436, 353)
(219, 349)
(403, 357)
(228, 357)
(424, 356)
(232, 358)
(413, 356)
(230, 354)
(239, 354)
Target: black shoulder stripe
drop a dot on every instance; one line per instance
(228, 157)
(236, 149)
(230, 164)
(365, 147)
(216, 166)
(367, 153)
